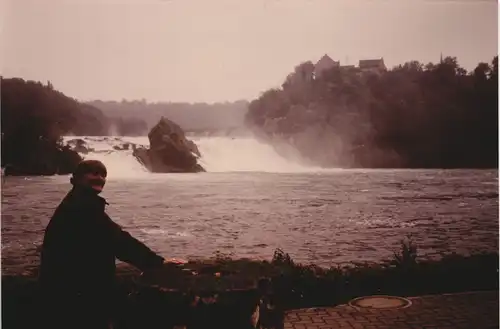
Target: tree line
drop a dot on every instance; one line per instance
(413, 115)
(35, 116)
(190, 116)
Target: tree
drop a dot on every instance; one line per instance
(415, 115)
(34, 117)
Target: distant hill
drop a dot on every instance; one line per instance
(35, 116)
(191, 117)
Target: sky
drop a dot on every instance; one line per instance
(225, 50)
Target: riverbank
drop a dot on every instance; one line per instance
(293, 286)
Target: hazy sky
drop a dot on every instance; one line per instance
(217, 50)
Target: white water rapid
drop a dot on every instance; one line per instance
(219, 154)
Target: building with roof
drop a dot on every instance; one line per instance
(324, 64)
(372, 65)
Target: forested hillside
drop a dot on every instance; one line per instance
(414, 115)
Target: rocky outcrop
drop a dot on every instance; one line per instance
(193, 147)
(169, 151)
(79, 145)
(125, 147)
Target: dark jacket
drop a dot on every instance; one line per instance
(80, 246)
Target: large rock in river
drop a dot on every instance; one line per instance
(170, 150)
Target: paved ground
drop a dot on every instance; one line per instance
(472, 310)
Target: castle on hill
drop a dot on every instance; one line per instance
(365, 65)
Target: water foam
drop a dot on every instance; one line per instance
(229, 154)
(120, 163)
(219, 154)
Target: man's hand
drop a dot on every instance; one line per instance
(176, 261)
(171, 263)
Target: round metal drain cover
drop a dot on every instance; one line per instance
(380, 302)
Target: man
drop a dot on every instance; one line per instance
(77, 271)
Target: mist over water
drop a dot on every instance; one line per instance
(219, 154)
(226, 154)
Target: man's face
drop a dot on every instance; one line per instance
(94, 180)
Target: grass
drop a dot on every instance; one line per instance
(295, 285)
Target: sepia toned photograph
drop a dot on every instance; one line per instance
(237, 164)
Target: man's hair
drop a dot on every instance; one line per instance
(89, 166)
